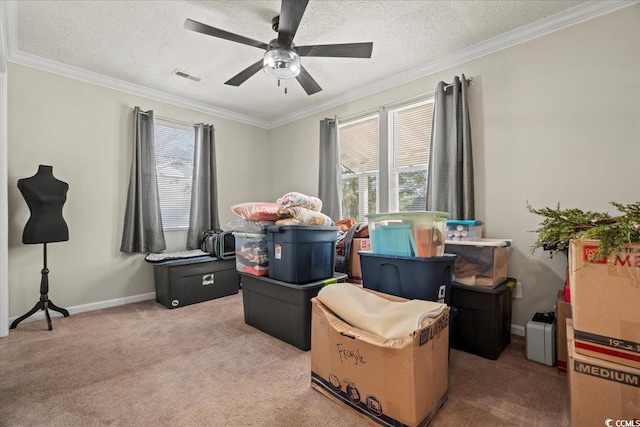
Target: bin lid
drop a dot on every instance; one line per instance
(464, 222)
(336, 278)
(481, 242)
(282, 228)
(251, 235)
(510, 282)
(390, 215)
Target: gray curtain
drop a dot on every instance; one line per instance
(330, 179)
(450, 176)
(204, 189)
(142, 220)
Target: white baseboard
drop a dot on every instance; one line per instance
(39, 315)
(517, 330)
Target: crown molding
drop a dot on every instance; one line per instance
(567, 18)
(17, 57)
(586, 11)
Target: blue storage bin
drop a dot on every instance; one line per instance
(301, 253)
(409, 277)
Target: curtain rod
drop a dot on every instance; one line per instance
(166, 119)
(394, 104)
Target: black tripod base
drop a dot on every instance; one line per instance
(43, 304)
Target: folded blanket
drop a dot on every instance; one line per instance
(169, 256)
(302, 200)
(302, 216)
(369, 312)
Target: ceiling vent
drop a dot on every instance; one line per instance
(186, 75)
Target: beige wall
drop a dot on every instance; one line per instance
(84, 131)
(556, 119)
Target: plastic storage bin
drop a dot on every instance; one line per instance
(483, 262)
(188, 281)
(300, 253)
(419, 234)
(408, 277)
(252, 256)
(282, 309)
(483, 323)
(464, 229)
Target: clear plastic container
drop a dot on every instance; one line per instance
(483, 262)
(420, 234)
(464, 229)
(252, 256)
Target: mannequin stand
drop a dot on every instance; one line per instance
(45, 303)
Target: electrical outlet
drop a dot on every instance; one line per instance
(517, 292)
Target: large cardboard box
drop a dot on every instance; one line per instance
(403, 383)
(563, 312)
(605, 299)
(359, 244)
(601, 393)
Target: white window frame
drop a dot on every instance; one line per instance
(387, 173)
(183, 127)
(394, 170)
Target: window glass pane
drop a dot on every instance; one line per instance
(359, 161)
(411, 138)
(350, 197)
(174, 167)
(372, 187)
(412, 191)
(412, 135)
(359, 145)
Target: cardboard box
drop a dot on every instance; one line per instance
(563, 312)
(403, 384)
(605, 299)
(359, 244)
(601, 393)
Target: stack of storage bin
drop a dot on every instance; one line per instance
(407, 256)
(301, 261)
(483, 294)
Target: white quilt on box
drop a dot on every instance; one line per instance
(369, 312)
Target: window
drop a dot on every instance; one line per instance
(384, 159)
(174, 146)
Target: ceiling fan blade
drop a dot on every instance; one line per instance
(244, 75)
(347, 50)
(199, 27)
(306, 81)
(291, 13)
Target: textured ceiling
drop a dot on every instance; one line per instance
(143, 42)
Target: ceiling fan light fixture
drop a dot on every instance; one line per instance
(281, 64)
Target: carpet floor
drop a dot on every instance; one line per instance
(145, 365)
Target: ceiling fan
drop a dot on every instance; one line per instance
(282, 58)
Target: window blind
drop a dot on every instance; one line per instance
(174, 146)
(359, 146)
(412, 136)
